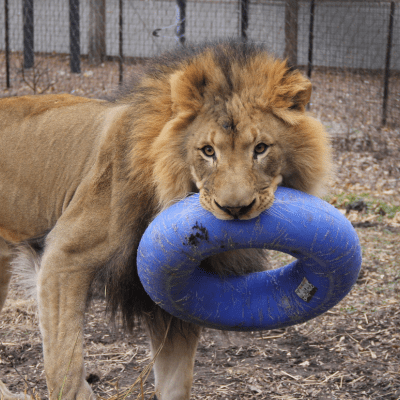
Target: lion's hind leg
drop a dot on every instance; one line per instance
(5, 276)
(173, 368)
(5, 271)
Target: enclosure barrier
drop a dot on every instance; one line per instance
(336, 35)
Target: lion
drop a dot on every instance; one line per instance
(81, 179)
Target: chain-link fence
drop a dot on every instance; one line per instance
(350, 49)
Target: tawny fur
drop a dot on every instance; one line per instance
(89, 176)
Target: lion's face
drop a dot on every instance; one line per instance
(236, 163)
(234, 128)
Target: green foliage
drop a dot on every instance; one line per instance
(373, 205)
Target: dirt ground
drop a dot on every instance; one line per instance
(350, 352)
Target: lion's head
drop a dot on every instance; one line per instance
(236, 162)
(230, 123)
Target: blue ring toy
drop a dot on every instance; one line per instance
(323, 241)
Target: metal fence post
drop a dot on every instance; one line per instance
(121, 38)
(7, 43)
(181, 20)
(311, 39)
(387, 64)
(244, 23)
(27, 13)
(74, 37)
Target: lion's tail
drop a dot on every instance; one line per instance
(26, 260)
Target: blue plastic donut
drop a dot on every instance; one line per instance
(323, 241)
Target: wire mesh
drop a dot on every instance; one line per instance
(350, 49)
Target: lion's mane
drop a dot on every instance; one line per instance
(164, 98)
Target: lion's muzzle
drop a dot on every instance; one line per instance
(236, 212)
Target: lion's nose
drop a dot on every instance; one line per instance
(236, 212)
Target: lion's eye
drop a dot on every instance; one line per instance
(208, 151)
(260, 148)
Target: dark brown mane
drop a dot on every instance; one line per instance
(159, 68)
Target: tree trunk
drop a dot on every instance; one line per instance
(291, 27)
(97, 31)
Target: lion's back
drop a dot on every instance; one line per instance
(13, 109)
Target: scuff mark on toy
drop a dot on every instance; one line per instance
(200, 233)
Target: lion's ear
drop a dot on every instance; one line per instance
(302, 97)
(187, 89)
(295, 90)
(291, 92)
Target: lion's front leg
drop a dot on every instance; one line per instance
(62, 294)
(173, 369)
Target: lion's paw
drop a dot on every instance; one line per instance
(5, 394)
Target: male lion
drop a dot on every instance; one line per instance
(81, 179)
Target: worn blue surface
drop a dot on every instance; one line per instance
(323, 241)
